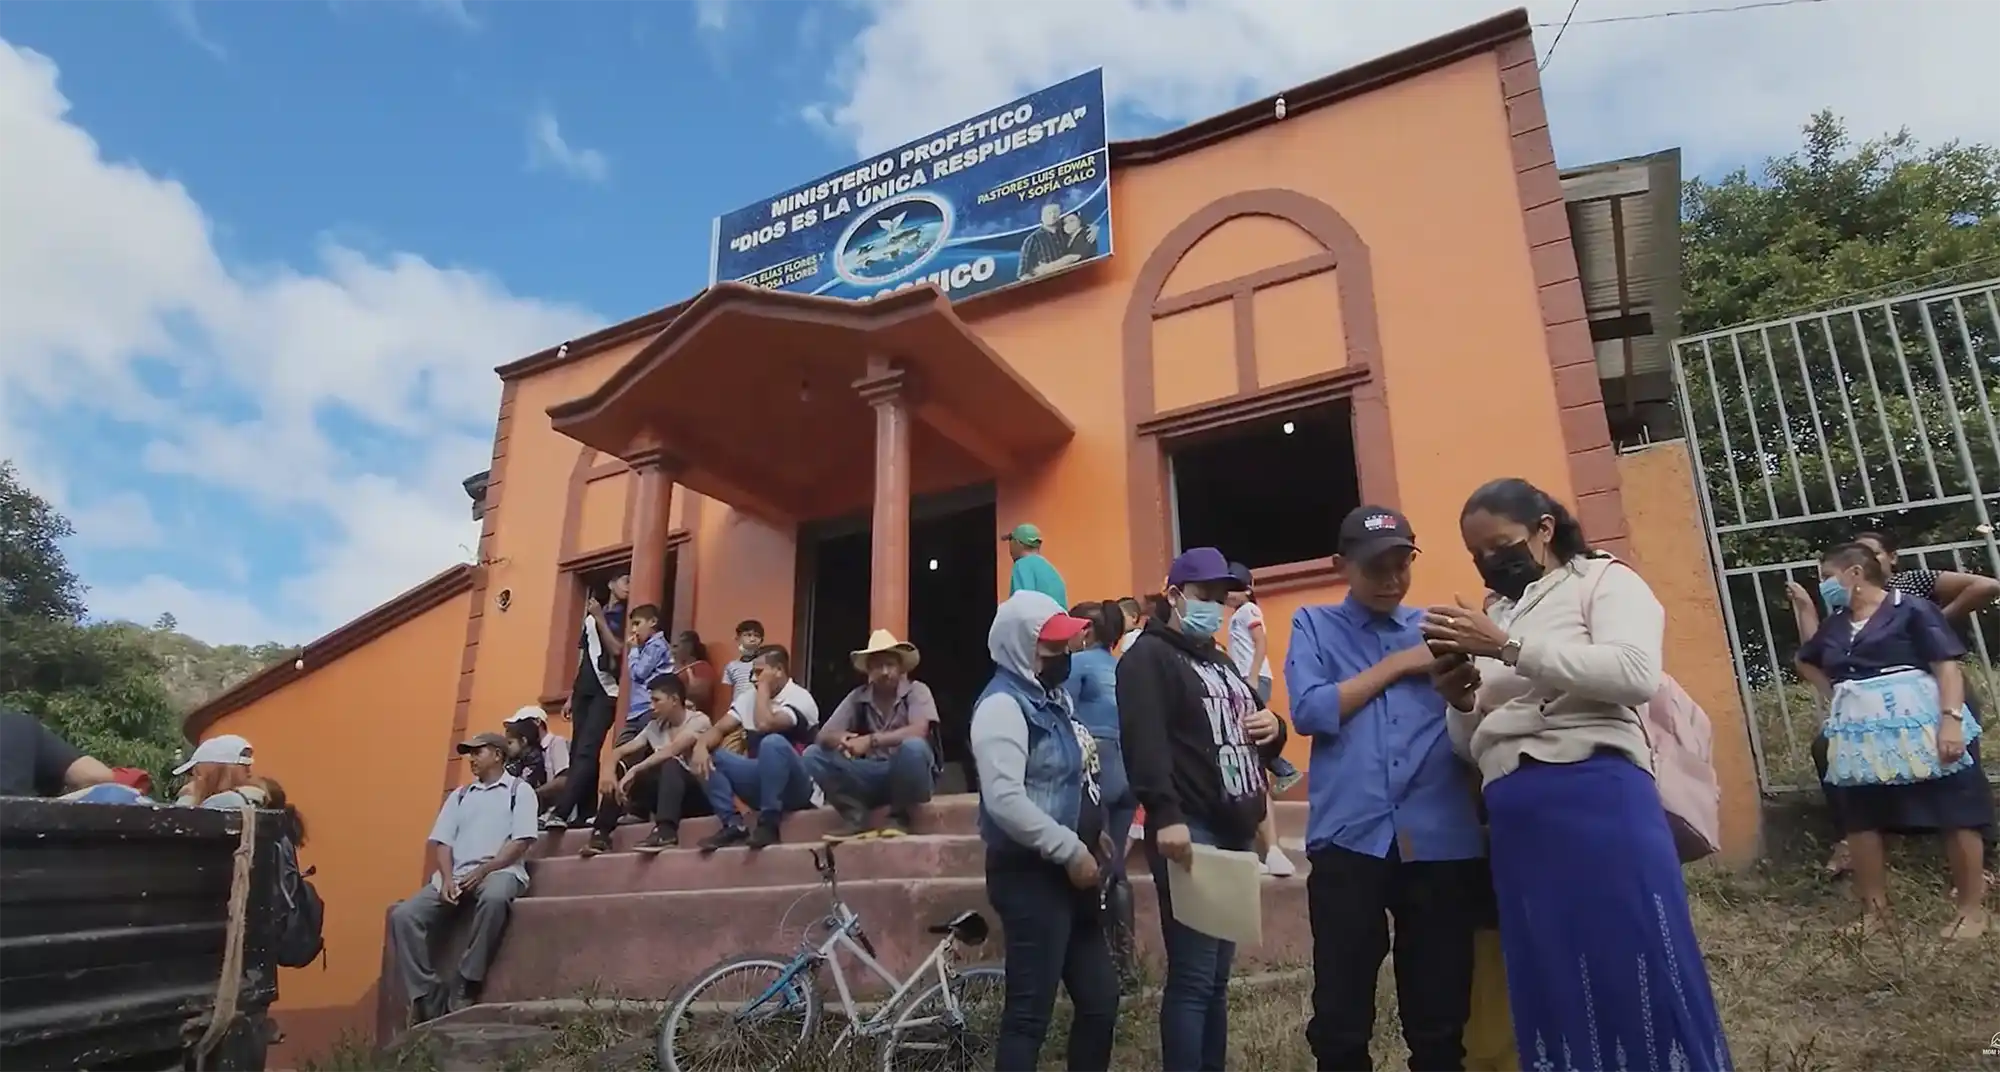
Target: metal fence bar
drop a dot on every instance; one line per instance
(1919, 296)
(1785, 424)
(1756, 435)
(1746, 553)
(1721, 426)
(1853, 432)
(1979, 379)
(1959, 439)
(1916, 405)
(1835, 515)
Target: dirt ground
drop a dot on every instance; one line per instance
(1795, 995)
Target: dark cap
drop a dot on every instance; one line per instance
(477, 741)
(1242, 574)
(1368, 531)
(1202, 565)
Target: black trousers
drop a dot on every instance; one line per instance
(667, 792)
(591, 712)
(1436, 907)
(1055, 935)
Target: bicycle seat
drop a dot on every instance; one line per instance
(968, 927)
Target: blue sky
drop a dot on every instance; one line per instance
(257, 260)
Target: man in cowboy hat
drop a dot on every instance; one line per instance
(876, 749)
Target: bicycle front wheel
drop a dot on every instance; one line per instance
(950, 1031)
(751, 1013)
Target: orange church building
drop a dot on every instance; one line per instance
(1373, 298)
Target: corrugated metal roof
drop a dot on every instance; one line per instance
(1636, 200)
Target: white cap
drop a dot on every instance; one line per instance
(227, 748)
(532, 711)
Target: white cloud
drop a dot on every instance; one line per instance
(1725, 87)
(121, 520)
(712, 15)
(546, 148)
(217, 617)
(181, 13)
(290, 386)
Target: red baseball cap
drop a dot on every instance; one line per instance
(1061, 629)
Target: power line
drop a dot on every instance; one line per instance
(1551, 54)
(1723, 10)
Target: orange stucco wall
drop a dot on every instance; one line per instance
(1672, 552)
(361, 746)
(1442, 219)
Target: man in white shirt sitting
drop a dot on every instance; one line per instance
(772, 777)
(476, 847)
(649, 773)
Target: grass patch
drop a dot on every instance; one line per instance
(1795, 996)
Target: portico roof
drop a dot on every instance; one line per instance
(751, 394)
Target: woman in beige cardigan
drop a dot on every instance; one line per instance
(1603, 969)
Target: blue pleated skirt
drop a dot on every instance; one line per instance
(1603, 969)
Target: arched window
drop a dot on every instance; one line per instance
(1253, 388)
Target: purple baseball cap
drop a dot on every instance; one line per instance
(1202, 565)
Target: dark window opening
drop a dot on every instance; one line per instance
(596, 584)
(1267, 493)
(954, 565)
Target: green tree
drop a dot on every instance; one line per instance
(96, 685)
(1829, 225)
(1812, 429)
(1833, 221)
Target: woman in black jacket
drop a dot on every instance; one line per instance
(1200, 778)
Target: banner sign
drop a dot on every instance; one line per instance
(1011, 195)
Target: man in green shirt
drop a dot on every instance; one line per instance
(1032, 572)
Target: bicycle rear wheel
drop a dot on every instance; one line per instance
(936, 1035)
(750, 1013)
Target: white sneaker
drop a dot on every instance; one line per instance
(1277, 865)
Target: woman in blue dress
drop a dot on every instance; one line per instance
(1603, 967)
(1874, 632)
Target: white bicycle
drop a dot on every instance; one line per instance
(759, 1010)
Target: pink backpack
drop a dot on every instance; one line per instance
(1683, 745)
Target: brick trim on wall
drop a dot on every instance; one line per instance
(1593, 460)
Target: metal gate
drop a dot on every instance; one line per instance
(1810, 429)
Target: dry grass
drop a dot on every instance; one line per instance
(1795, 996)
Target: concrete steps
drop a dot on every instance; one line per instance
(640, 927)
(785, 864)
(957, 813)
(648, 945)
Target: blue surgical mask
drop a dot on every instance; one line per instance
(1835, 596)
(1200, 617)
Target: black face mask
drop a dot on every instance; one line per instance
(1509, 570)
(1054, 671)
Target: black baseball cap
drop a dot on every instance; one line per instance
(1367, 531)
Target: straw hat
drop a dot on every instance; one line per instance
(882, 640)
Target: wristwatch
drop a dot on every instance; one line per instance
(1510, 652)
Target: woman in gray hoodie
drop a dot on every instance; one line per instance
(1042, 819)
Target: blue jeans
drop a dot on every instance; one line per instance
(1054, 936)
(1119, 803)
(1194, 1004)
(900, 778)
(773, 781)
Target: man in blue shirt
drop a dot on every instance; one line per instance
(1391, 827)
